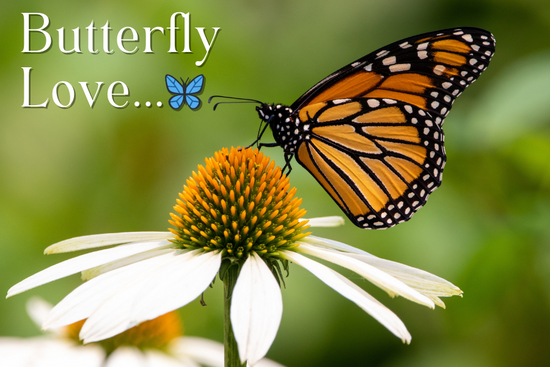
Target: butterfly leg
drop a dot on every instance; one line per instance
(269, 145)
(260, 134)
(288, 158)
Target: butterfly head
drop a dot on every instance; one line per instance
(265, 111)
(274, 113)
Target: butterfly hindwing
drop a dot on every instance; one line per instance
(379, 159)
(176, 101)
(192, 101)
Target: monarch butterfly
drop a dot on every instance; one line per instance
(184, 89)
(371, 132)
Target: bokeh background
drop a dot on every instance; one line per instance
(76, 171)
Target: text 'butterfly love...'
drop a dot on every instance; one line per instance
(371, 132)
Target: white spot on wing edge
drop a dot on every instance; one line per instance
(439, 69)
(389, 60)
(373, 103)
(405, 45)
(422, 46)
(382, 53)
(400, 67)
(422, 55)
(340, 101)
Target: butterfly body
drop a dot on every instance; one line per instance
(371, 132)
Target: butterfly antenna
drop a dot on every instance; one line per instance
(239, 100)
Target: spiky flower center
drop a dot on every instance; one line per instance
(237, 203)
(152, 334)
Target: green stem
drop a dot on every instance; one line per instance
(231, 350)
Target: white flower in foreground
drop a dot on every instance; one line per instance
(236, 213)
(155, 343)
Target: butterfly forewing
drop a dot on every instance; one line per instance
(173, 85)
(428, 70)
(196, 85)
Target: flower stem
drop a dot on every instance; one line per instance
(231, 350)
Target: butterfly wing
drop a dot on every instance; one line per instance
(379, 163)
(173, 85)
(192, 101)
(176, 101)
(196, 85)
(431, 67)
(176, 88)
(376, 143)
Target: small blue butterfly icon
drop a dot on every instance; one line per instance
(186, 90)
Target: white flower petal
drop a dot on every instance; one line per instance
(156, 358)
(326, 243)
(176, 285)
(352, 292)
(267, 363)
(45, 352)
(81, 263)
(106, 239)
(180, 279)
(114, 314)
(371, 273)
(333, 221)
(126, 357)
(204, 351)
(424, 282)
(256, 309)
(84, 300)
(436, 300)
(101, 269)
(18, 352)
(38, 310)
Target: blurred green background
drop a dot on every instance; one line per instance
(76, 171)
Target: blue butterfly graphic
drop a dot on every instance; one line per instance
(186, 90)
